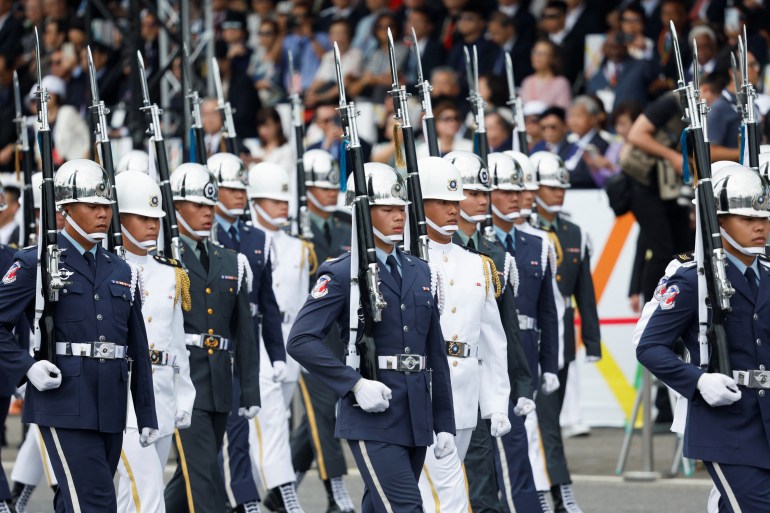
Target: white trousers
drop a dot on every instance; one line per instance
(443, 485)
(537, 453)
(32, 462)
(140, 487)
(571, 414)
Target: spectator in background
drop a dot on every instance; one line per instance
(431, 51)
(448, 124)
(53, 37)
(364, 38)
(472, 26)
(553, 128)
(620, 78)
(324, 87)
(212, 126)
(11, 29)
(532, 112)
(328, 121)
(234, 34)
(583, 159)
(64, 64)
(385, 151)
(109, 78)
(445, 83)
(499, 132)
(149, 32)
(273, 144)
(347, 10)
(7, 113)
(9, 227)
(676, 11)
(494, 91)
(545, 84)
(580, 20)
(523, 21)
(502, 32)
(706, 40)
(639, 46)
(266, 67)
(240, 91)
(261, 10)
(77, 35)
(447, 31)
(306, 46)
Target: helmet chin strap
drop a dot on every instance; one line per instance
(198, 233)
(552, 209)
(505, 217)
(388, 239)
(146, 244)
(231, 212)
(472, 219)
(326, 208)
(93, 238)
(447, 230)
(752, 251)
(277, 222)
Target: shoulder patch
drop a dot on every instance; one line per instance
(10, 275)
(685, 257)
(321, 287)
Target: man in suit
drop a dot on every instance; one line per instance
(472, 26)
(503, 32)
(431, 51)
(583, 122)
(623, 76)
(11, 29)
(78, 395)
(388, 423)
(327, 119)
(240, 91)
(220, 337)
(553, 127)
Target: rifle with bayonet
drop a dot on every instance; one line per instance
(423, 90)
(517, 109)
(100, 111)
(50, 278)
(365, 278)
(193, 101)
(714, 289)
(418, 229)
(25, 163)
(480, 146)
(172, 245)
(747, 96)
(301, 223)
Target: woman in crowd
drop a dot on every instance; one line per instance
(266, 67)
(545, 84)
(448, 123)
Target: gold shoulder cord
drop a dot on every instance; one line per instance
(557, 246)
(182, 288)
(490, 269)
(309, 249)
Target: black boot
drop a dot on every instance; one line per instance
(273, 501)
(20, 496)
(332, 507)
(563, 500)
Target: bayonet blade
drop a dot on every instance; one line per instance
(16, 95)
(469, 71)
(37, 59)
(291, 73)
(475, 69)
(417, 56)
(677, 54)
(217, 82)
(695, 67)
(742, 63)
(92, 77)
(338, 69)
(509, 75)
(734, 66)
(186, 68)
(143, 77)
(392, 56)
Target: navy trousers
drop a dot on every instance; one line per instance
(391, 473)
(514, 473)
(742, 488)
(5, 492)
(84, 462)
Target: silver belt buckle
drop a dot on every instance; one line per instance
(408, 363)
(759, 379)
(104, 350)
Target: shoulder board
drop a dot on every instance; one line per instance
(31, 246)
(764, 260)
(345, 217)
(167, 261)
(227, 249)
(685, 258)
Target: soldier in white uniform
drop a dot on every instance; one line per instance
(165, 291)
(293, 262)
(476, 344)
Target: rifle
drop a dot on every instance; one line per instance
(301, 222)
(364, 282)
(418, 230)
(517, 109)
(172, 245)
(714, 290)
(748, 95)
(49, 251)
(100, 111)
(25, 159)
(423, 89)
(480, 146)
(193, 101)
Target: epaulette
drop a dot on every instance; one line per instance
(491, 275)
(182, 280)
(685, 258)
(167, 261)
(345, 217)
(29, 247)
(308, 249)
(764, 260)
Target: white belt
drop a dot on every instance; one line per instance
(461, 349)
(752, 378)
(402, 363)
(206, 341)
(527, 323)
(101, 350)
(161, 358)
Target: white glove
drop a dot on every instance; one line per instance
(524, 407)
(249, 412)
(40, 375)
(718, 389)
(500, 425)
(444, 446)
(550, 383)
(182, 419)
(148, 436)
(19, 394)
(279, 371)
(372, 396)
(592, 358)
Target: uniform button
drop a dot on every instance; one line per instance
(231, 290)
(403, 307)
(454, 363)
(407, 349)
(761, 367)
(451, 282)
(96, 297)
(759, 342)
(64, 291)
(211, 351)
(149, 319)
(210, 311)
(454, 337)
(208, 290)
(406, 329)
(445, 259)
(99, 317)
(558, 277)
(211, 331)
(102, 338)
(756, 317)
(152, 346)
(454, 309)
(761, 393)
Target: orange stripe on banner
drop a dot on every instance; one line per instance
(611, 253)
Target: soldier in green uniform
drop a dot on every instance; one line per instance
(220, 339)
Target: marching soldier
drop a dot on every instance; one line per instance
(727, 420)
(475, 341)
(573, 277)
(388, 423)
(165, 292)
(80, 403)
(314, 438)
(220, 338)
(479, 462)
(233, 233)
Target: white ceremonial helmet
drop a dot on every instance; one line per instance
(229, 171)
(740, 191)
(134, 160)
(550, 169)
(505, 172)
(321, 169)
(474, 173)
(529, 176)
(764, 165)
(37, 190)
(195, 183)
(384, 186)
(268, 180)
(82, 181)
(440, 179)
(139, 194)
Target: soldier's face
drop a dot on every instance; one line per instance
(232, 198)
(442, 212)
(389, 219)
(551, 196)
(326, 197)
(92, 217)
(475, 202)
(198, 216)
(506, 202)
(749, 232)
(274, 208)
(142, 228)
(526, 199)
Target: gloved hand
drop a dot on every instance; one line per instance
(19, 394)
(148, 436)
(372, 396)
(524, 407)
(500, 425)
(279, 371)
(182, 419)
(550, 383)
(40, 375)
(444, 446)
(718, 389)
(249, 412)
(592, 358)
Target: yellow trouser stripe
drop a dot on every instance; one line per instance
(313, 429)
(44, 456)
(467, 489)
(261, 452)
(183, 461)
(436, 501)
(134, 491)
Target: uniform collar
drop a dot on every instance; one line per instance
(319, 221)
(741, 267)
(502, 234)
(383, 256)
(225, 224)
(77, 245)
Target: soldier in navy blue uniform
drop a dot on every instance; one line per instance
(388, 423)
(728, 417)
(80, 403)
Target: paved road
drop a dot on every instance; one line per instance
(592, 461)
